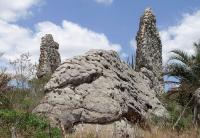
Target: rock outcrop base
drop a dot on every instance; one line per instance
(98, 88)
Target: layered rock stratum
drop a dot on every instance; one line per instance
(149, 51)
(49, 56)
(98, 88)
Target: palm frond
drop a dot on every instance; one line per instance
(180, 56)
(181, 71)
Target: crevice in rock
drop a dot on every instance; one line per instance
(148, 106)
(121, 77)
(133, 116)
(78, 81)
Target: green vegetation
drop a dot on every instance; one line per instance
(26, 124)
(17, 102)
(179, 101)
(186, 68)
(175, 109)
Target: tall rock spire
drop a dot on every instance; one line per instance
(49, 56)
(149, 50)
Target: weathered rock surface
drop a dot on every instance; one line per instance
(117, 129)
(98, 88)
(149, 51)
(196, 119)
(49, 56)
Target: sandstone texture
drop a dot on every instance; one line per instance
(149, 51)
(197, 107)
(98, 88)
(49, 56)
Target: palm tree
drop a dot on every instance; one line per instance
(185, 67)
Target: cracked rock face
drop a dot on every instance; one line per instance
(49, 56)
(97, 88)
(149, 51)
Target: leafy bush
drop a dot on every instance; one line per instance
(174, 109)
(4, 102)
(19, 94)
(4, 80)
(24, 99)
(27, 124)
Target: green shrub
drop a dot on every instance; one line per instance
(25, 99)
(55, 133)
(175, 108)
(4, 102)
(27, 124)
(27, 103)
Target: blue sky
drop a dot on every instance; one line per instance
(79, 25)
(117, 20)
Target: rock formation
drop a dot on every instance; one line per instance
(196, 119)
(97, 88)
(149, 51)
(49, 56)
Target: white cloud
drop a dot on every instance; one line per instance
(107, 2)
(181, 36)
(11, 10)
(73, 39)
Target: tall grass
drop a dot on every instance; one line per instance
(156, 132)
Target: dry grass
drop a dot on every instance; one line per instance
(155, 132)
(168, 133)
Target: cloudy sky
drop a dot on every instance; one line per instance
(80, 25)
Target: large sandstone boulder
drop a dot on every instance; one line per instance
(98, 88)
